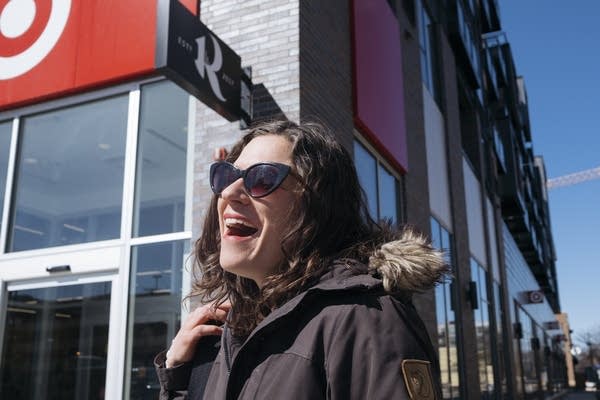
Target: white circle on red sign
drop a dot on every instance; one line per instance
(15, 19)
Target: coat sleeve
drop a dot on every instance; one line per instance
(173, 381)
(188, 380)
(380, 350)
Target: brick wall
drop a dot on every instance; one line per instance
(265, 33)
(326, 66)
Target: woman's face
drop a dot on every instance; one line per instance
(252, 228)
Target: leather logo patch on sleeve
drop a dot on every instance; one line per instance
(418, 379)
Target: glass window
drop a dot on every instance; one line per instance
(470, 42)
(161, 160)
(388, 204)
(426, 45)
(366, 167)
(55, 343)
(503, 383)
(530, 372)
(69, 180)
(379, 185)
(483, 333)
(499, 148)
(5, 135)
(154, 312)
(446, 320)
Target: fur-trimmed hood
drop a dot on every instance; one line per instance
(408, 264)
(405, 265)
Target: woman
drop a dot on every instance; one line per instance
(315, 296)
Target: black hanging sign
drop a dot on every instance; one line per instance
(191, 55)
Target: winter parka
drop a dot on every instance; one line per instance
(354, 335)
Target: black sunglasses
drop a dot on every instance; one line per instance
(259, 179)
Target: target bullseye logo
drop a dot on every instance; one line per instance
(535, 296)
(19, 18)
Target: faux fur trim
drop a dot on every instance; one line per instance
(408, 264)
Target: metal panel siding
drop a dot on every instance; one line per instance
(520, 280)
(474, 214)
(437, 162)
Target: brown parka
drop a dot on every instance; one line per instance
(354, 335)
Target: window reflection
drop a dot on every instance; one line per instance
(379, 185)
(483, 333)
(366, 167)
(526, 344)
(497, 301)
(55, 343)
(446, 320)
(5, 134)
(426, 47)
(154, 312)
(69, 180)
(161, 160)
(388, 206)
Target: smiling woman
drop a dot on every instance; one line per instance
(304, 281)
(251, 227)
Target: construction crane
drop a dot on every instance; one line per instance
(572, 179)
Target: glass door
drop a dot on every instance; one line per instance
(56, 338)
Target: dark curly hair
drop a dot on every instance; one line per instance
(330, 221)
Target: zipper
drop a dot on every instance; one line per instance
(226, 349)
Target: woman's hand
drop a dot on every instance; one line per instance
(194, 327)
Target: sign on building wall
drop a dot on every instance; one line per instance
(53, 48)
(197, 60)
(378, 80)
(535, 297)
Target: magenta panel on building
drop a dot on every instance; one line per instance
(378, 86)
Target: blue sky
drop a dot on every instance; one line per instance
(556, 47)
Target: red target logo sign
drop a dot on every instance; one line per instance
(29, 30)
(53, 48)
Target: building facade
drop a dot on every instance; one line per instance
(103, 186)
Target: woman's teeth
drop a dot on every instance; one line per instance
(237, 227)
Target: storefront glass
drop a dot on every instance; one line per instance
(388, 202)
(483, 332)
(55, 343)
(366, 167)
(154, 312)
(446, 319)
(5, 135)
(113, 168)
(161, 161)
(69, 180)
(379, 185)
(528, 354)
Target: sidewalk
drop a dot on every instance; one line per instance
(574, 395)
(582, 396)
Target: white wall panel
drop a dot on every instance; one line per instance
(437, 174)
(474, 214)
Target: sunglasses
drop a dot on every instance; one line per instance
(259, 179)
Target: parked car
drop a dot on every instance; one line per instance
(592, 379)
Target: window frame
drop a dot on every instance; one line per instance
(428, 55)
(380, 162)
(120, 248)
